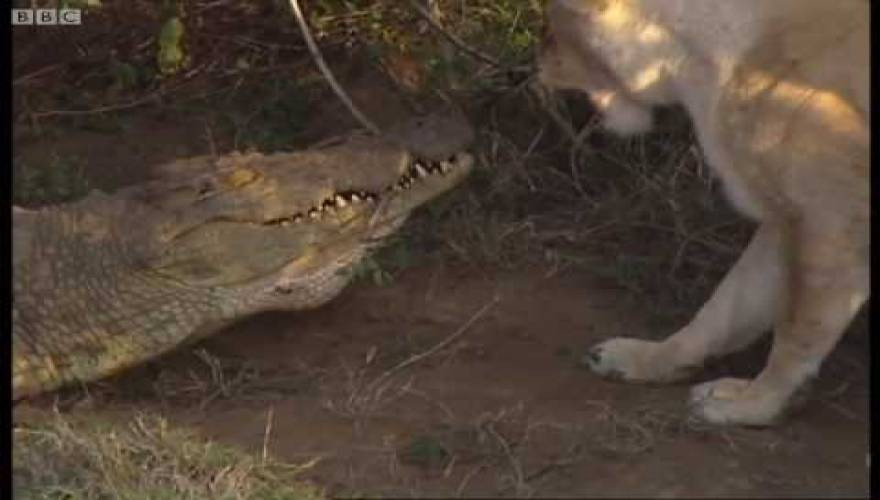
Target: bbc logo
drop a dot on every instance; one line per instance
(42, 17)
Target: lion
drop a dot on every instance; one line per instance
(778, 93)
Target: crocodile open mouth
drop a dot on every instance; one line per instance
(418, 171)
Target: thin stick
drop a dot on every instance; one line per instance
(30, 76)
(103, 109)
(544, 100)
(267, 432)
(515, 464)
(440, 345)
(452, 38)
(328, 75)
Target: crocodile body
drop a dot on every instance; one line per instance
(110, 281)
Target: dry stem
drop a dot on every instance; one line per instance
(325, 70)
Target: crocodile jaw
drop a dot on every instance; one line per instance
(319, 274)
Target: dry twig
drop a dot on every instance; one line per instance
(440, 345)
(325, 70)
(452, 38)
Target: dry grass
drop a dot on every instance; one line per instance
(68, 458)
(591, 206)
(365, 393)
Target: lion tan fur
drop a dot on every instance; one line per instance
(778, 92)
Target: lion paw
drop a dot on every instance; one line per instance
(732, 401)
(632, 360)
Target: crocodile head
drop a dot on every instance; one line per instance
(282, 230)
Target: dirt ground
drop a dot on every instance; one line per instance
(501, 410)
(454, 380)
(505, 410)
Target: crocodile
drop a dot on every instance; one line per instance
(112, 280)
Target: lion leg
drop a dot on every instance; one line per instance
(741, 309)
(828, 285)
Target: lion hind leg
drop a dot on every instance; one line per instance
(827, 288)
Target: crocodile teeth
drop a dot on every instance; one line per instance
(419, 169)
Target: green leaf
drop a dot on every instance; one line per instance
(171, 56)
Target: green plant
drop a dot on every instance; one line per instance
(171, 54)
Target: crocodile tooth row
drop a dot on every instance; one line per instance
(419, 169)
(338, 200)
(422, 168)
